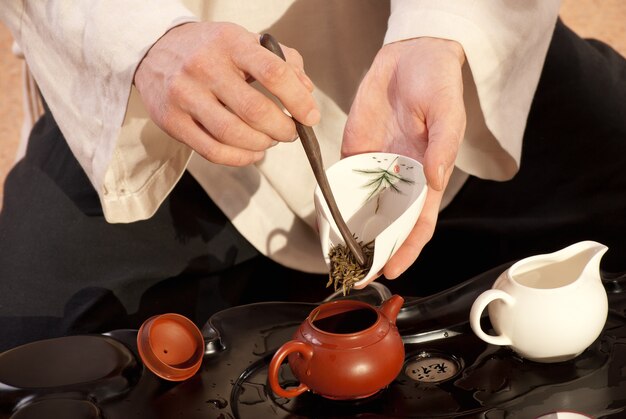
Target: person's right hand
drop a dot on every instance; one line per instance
(194, 84)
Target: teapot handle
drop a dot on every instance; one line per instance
(476, 312)
(305, 350)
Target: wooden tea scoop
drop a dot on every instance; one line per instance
(313, 153)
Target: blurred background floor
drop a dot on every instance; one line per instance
(600, 19)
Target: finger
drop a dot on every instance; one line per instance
(226, 127)
(294, 58)
(308, 83)
(254, 108)
(200, 140)
(421, 234)
(279, 78)
(444, 138)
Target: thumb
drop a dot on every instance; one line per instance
(444, 139)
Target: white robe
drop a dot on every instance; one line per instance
(83, 55)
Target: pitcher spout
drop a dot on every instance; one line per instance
(583, 257)
(391, 307)
(553, 270)
(594, 252)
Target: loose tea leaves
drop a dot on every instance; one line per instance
(345, 270)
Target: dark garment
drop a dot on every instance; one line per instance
(64, 270)
(571, 185)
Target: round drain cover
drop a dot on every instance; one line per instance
(432, 367)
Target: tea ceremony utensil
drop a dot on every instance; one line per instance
(382, 196)
(313, 153)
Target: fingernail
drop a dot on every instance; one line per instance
(392, 276)
(312, 117)
(273, 144)
(441, 172)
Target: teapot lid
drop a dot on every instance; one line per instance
(171, 346)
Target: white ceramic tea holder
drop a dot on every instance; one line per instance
(380, 196)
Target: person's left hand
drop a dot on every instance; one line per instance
(411, 103)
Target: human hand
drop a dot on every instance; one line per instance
(411, 102)
(194, 85)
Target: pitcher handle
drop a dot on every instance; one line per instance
(305, 350)
(476, 312)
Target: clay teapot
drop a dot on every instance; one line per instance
(345, 349)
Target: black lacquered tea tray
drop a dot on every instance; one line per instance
(448, 371)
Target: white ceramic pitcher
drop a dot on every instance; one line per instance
(547, 308)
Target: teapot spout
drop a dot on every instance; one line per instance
(391, 307)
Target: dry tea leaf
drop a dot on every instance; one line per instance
(345, 271)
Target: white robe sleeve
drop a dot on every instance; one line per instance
(83, 56)
(505, 43)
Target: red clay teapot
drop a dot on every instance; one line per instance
(345, 349)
